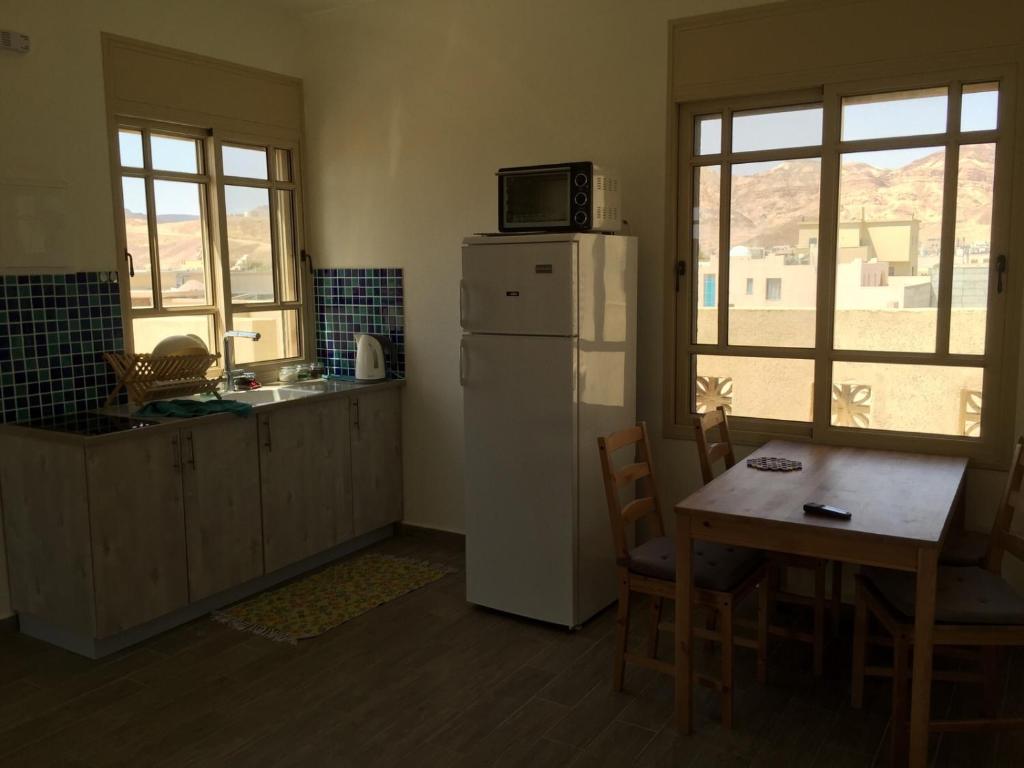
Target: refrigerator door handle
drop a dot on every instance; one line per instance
(462, 362)
(462, 303)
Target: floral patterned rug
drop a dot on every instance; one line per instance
(321, 601)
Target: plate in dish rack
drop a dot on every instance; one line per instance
(774, 464)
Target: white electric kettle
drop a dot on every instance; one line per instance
(370, 357)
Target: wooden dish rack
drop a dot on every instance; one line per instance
(155, 377)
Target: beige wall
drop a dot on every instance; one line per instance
(411, 106)
(52, 113)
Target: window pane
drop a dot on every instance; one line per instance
(136, 234)
(762, 387)
(130, 143)
(707, 135)
(932, 399)
(971, 253)
(249, 250)
(979, 107)
(287, 265)
(773, 230)
(149, 331)
(171, 153)
(248, 162)
(181, 242)
(282, 165)
(279, 335)
(887, 252)
(707, 192)
(900, 113)
(777, 128)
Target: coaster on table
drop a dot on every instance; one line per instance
(774, 464)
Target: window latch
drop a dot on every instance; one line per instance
(308, 258)
(131, 263)
(680, 272)
(1000, 271)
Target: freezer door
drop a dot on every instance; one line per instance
(520, 440)
(519, 288)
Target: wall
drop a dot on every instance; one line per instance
(411, 105)
(52, 108)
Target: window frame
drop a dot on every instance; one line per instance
(220, 308)
(1000, 355)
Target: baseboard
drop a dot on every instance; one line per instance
(95, 648)
(415, 528)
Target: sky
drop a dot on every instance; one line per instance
(182, 198)
(903, 114)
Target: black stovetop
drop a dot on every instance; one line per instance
(89, 424)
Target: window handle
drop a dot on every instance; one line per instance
(680, 272)
(307, 257)
(131, 262)
(1000, 271)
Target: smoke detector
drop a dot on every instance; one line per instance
(14, 41)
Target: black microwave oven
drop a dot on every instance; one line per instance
(561, 197)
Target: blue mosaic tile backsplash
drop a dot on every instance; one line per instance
(53, 331)
(352, 301)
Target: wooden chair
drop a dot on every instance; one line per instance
(974, 607)
(723, 575)
(710, 451)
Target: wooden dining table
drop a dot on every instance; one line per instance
(902, 505)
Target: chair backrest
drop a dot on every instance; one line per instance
(1003, 539)
(640, 472)
(708, 450)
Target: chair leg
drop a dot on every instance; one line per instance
(860, 643)
(819, 619)
(837, 595)
(726, 630)
(991, 658)
(621, 634)
(652, 633)
(762, 631)
(900, 684)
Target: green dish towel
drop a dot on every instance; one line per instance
(187, 409)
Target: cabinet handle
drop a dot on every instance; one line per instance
(176, 453)
(191, 450)
(266, 439)
(355, 409)
(462, 362)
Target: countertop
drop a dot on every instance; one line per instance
(269, 398)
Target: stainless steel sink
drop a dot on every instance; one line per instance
(268, 395)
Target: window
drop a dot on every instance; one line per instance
(709, 291)
(878, 205)
(211, 234)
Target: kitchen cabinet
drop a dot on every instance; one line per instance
(376, 459)
(138, 529)
(305, 476)
(116, 537)
(223, 524)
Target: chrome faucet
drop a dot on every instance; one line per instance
(229, 370)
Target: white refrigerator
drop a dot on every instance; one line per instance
(547, 363)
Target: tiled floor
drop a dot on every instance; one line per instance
(429, 681)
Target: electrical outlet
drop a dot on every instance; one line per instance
(14, 41)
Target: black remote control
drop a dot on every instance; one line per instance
(824, 510)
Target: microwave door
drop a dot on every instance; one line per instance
(536, 200)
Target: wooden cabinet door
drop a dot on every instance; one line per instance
(304, 472)
(376, 460)
(138, 529)
(223, 524)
